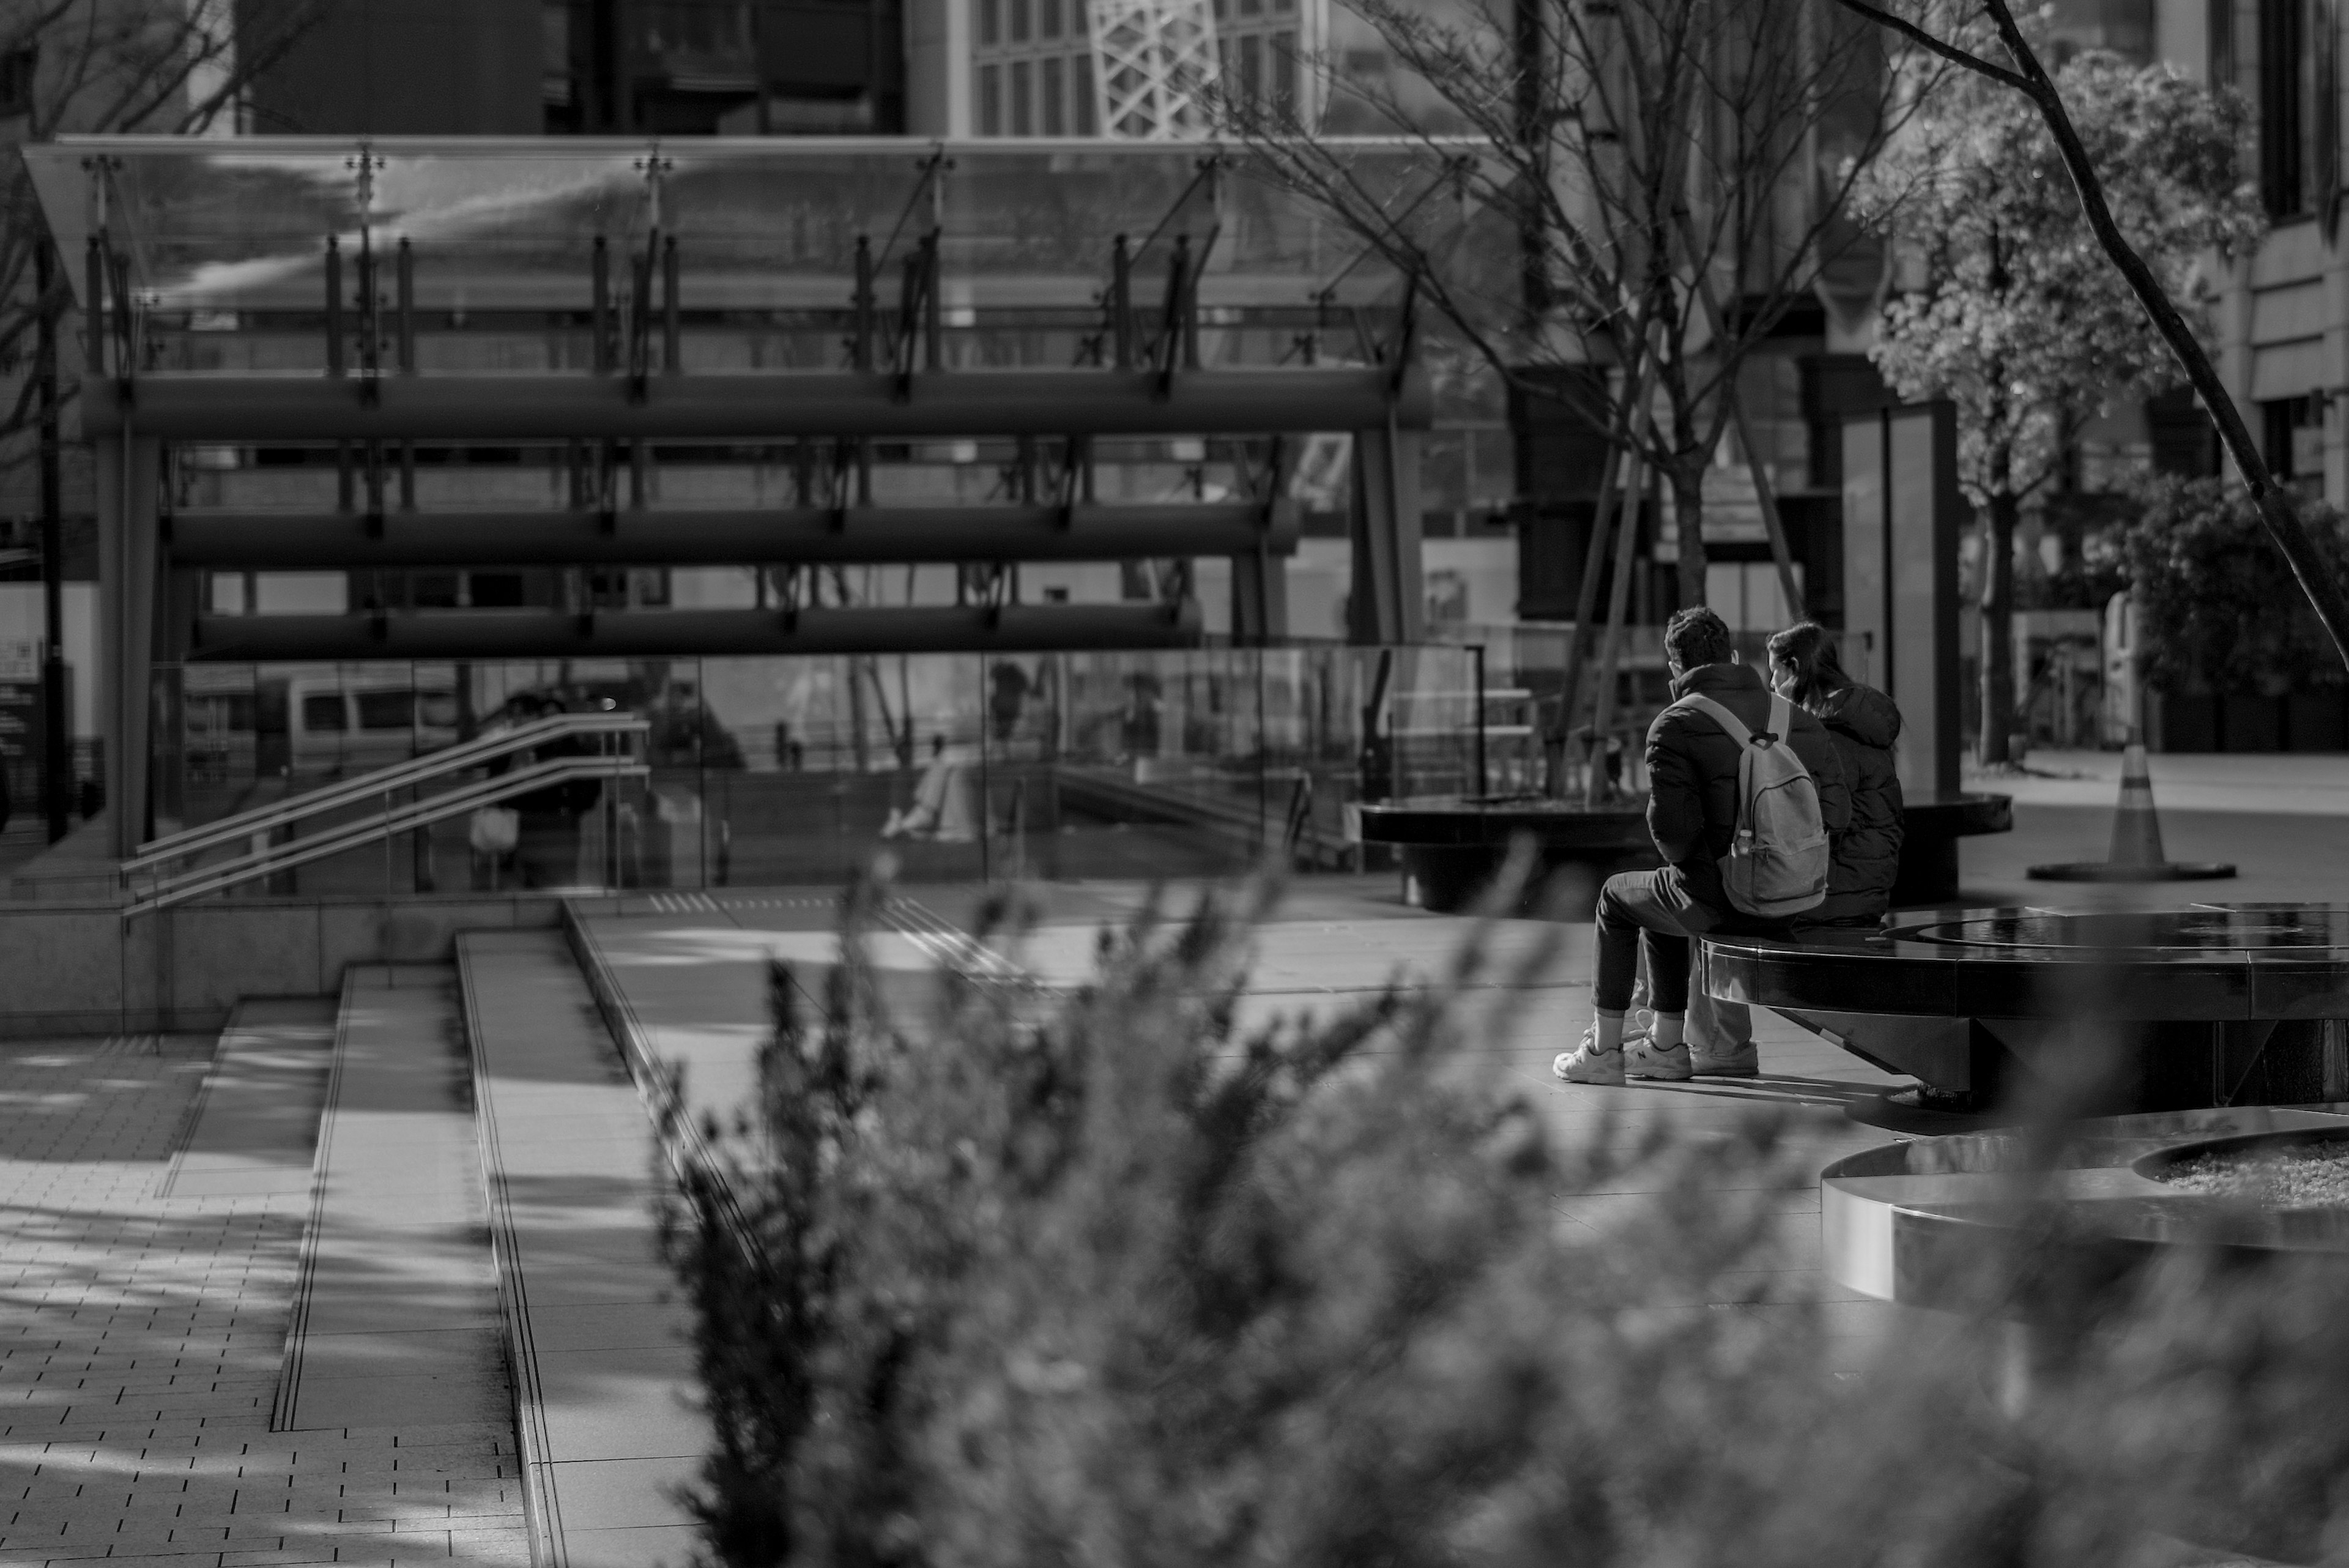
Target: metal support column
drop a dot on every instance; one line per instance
(129, 473)
(1388, 602)
(56, 722)
(1259, 598)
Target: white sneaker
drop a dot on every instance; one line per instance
(1746, 1061)
(1646, 1059)
(1589, 1064)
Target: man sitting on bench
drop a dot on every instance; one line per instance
(1692, 815)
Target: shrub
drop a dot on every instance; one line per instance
(2217, 607)
(1106, 1279)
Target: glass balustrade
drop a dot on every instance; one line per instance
(774, 772)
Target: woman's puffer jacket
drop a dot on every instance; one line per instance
(1863, 724)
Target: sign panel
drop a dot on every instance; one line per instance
(20, 723)
(1902, 511)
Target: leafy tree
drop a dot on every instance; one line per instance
(2278, 510)
(2021, 321)
(2217, 608)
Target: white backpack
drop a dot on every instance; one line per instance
(1778, 857)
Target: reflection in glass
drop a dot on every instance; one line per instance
(778, 772)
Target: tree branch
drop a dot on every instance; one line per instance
(1926, 41)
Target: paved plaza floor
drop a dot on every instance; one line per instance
(161, 1233)
(2281, 821)
(692, 967)
(143, 1318)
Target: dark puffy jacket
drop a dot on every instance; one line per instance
(1692, 783)
(1863, 724)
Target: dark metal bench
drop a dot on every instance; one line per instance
(2203, 1006)
(1452, 847)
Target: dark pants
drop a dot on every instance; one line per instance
(1636, 918)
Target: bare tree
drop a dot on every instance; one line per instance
(1651, 187)
(2278, 511)
(96, 67)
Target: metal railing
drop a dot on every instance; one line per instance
(260, 828)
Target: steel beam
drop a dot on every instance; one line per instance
(651, 634)
(288, 541)
(1259, 599)
(128, 473)
(1388, 601)
(206, 407)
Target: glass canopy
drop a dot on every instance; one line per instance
(765, 223)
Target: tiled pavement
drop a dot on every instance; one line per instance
(139, 1343)
(142, 1332)
(692, 978)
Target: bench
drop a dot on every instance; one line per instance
(2213, 1005)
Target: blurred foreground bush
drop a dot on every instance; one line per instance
(1103, 1279)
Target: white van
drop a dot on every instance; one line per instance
(341, 724)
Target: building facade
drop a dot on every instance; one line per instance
(527, 67)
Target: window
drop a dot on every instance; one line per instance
(554, 55)
(386, 710)
(2223, 42)
(2294, 441)
(990, 21)
(495, 590)
(1018, 21)
(1251, 70)
(2286, 63)
(17, 71)
(1056, 120)
(436, 710)
(323, 711)
(1048, 18)
(1023, 98)
(1284, 73)
(990, 100)
(1084, 76)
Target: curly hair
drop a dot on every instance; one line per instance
(1697, 636)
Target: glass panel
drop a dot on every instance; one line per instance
(760, 224)
(796, 771)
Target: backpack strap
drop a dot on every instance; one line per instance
(1719, 714)
(1782, 718)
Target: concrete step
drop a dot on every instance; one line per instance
(253, 1131)
(396, 1315)
(608, 1404)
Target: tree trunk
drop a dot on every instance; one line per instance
(1688, 518)
(1998, 627)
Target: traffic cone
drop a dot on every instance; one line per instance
(2137, 827)
(2135, 854)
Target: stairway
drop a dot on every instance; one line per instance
(604, 1375)
(396, 1318)
(479, 1265)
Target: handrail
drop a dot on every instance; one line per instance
(374, 785)
(272, 859)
